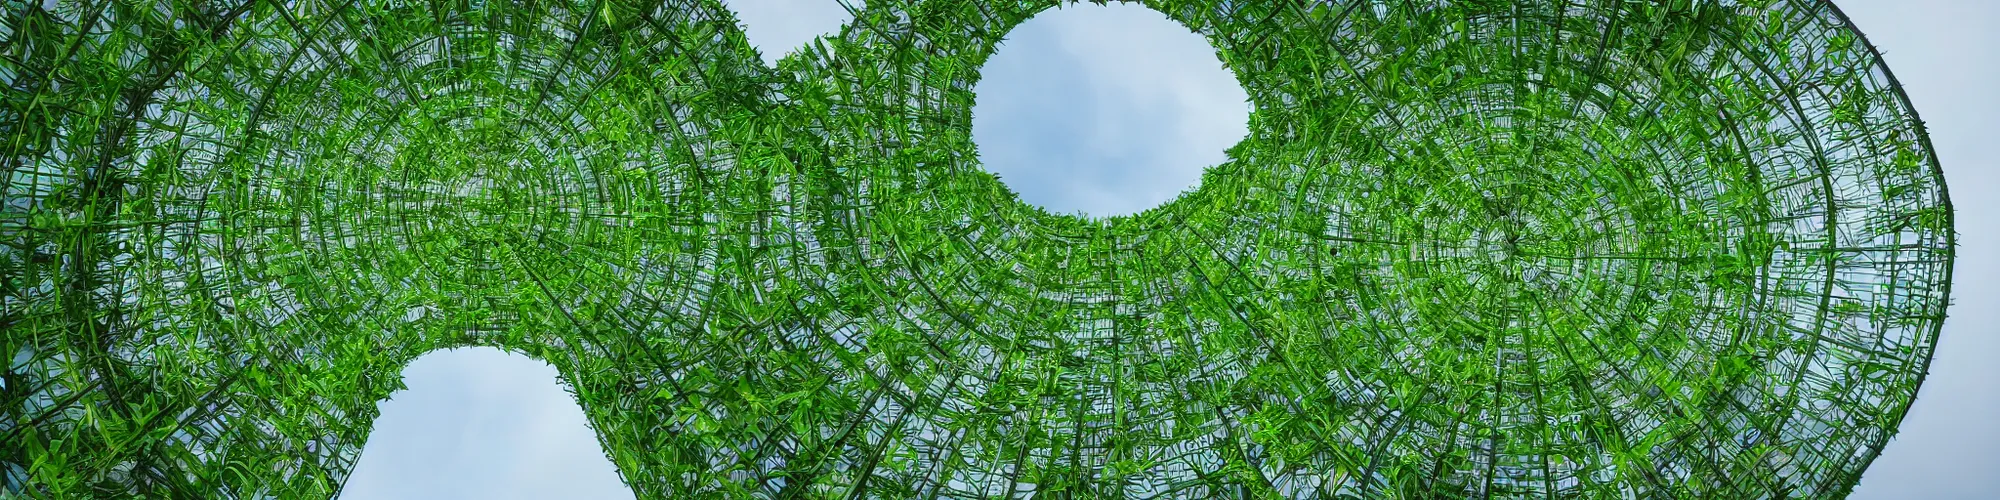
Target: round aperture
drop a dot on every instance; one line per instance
(1104, 110)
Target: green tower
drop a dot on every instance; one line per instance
(1469, 249)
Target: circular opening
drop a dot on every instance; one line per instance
(1104, 110)
(483, 423)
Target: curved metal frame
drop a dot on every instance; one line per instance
(1468, 249)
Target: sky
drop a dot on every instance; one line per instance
(1947, 55)
(1104, 110)
(1112, 110)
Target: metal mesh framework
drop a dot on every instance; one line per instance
(1469, 249)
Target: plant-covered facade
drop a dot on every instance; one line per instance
(1576, 248)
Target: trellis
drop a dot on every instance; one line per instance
(1572, 248)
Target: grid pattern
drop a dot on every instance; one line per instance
(1576, 248)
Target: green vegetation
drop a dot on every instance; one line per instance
(1469, 249)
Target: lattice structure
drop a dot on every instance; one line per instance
(1572, 248)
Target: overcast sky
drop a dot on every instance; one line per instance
(1079, 101)
(1947, 55)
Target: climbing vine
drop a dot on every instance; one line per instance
(1468, 249)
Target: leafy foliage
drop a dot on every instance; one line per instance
(1469, 249)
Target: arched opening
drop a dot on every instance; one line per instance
(482, 423)
(777, 28)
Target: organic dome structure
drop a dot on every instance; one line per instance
(1469, 249)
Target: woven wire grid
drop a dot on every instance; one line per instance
(1468, 249)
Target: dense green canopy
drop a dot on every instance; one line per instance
(1469, 249)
